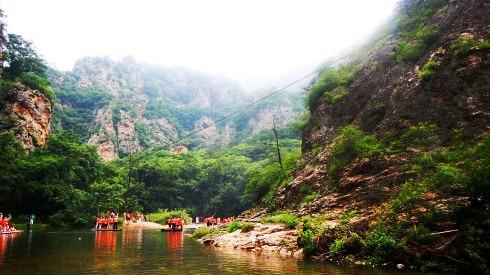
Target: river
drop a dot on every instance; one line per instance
(142, 252)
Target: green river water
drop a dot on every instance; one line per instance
(143, 252)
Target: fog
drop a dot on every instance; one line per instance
(247, 40)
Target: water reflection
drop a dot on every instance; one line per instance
(142, 252)
(175, 241)
(105, 241)
(105, 248)
(132, 237)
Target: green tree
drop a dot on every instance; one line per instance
(21, 58)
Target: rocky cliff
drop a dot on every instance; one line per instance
(124, 106)
(371, 167)
(386, 99)
(27, 114)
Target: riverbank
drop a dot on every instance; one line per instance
(263, 238)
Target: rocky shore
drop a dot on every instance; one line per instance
(263, 238)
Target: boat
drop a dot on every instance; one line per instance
(11, 231)
(171, 229)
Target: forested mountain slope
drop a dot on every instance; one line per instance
(123, 106)
(395, 164)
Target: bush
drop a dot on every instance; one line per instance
(200, 232)
(349, 144)
(381, 245)
(428, 70)
(38, 82)
(337, 94)
(346, 216)
(328, 80)
(466, 45)
(244, 226)
(247, 226)
(289, 220)
(423, 134)
(413, 44)
(161, 216)
(307, 241)
(338, 246)
(309, 198)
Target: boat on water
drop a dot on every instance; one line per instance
(171, 229)
(174, 224)
(11, 231)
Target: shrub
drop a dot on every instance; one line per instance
(338, 246)
(235, 225)
(413, 44)
(415, 34)
(38, 82)
(428, 70)
(466, 45)
(328, 80)
(200, 232)
(309, 198)
(346, 216)
(422, 134)
(161, 216)
(289, 220)
(307, 241)
(381, 245)
(349, 144)
(247, 226)
(337, 94)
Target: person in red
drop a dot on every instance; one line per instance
(5, 224)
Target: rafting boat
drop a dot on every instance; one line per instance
(106, 229)
(11, 231)
(171, 229)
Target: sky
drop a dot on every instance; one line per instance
(240, 39)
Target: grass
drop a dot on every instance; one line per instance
(328, 80)
(406, 224)
(201, 232)
(289, 220)
(206, 233)
(466, 45)
(428, 70)
(161, 216)
(337, 94)
(346, 216)
(415, 35)
(349, 144)
(235, 225)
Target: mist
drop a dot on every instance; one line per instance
(258, 43)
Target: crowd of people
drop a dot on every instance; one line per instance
(176, 223)
(135, 217)
(109, 221)
(5, 223)
(210, 221)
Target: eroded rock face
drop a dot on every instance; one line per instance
(265, 118)
(105, 138)
(28, 116)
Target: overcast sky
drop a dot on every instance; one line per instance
(241, 39)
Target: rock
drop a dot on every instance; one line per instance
(263, 239)
(28, 116)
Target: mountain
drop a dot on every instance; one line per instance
(395, 153)
(123, 106)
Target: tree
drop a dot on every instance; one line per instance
(21, 58)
